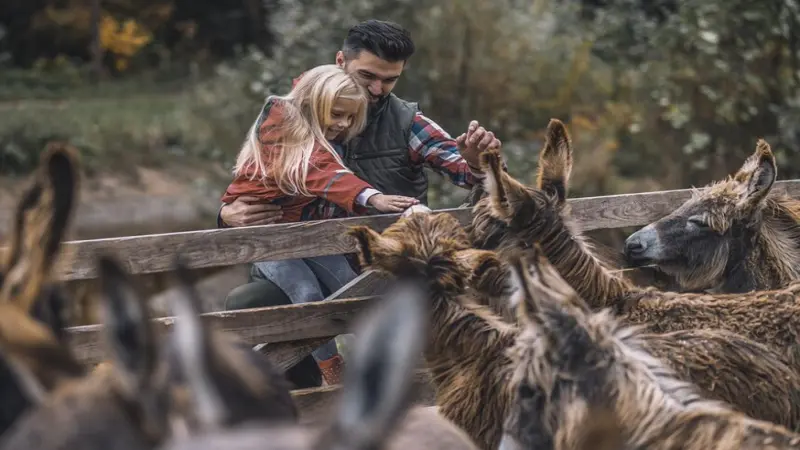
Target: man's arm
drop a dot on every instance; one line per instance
(247, 211)
(431, 145)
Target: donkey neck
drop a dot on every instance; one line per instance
(768, 252)
(570, 253)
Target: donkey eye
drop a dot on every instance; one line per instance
(698, 221)
(525, 392)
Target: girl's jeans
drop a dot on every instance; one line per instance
(302, 281)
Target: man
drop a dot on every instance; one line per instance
(390, 154)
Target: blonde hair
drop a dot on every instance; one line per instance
(305, 108)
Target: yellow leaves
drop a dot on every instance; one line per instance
(122, 39)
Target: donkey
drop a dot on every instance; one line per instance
(733, 236)
(571, 363)
(513, 215)
(137, 400)
(375, 399)
(125, 406)
(465, 352)
(40, 222)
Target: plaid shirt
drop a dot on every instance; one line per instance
(429, 145)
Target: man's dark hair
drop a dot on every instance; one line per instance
(387, 40)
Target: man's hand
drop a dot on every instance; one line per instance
(474, 142)
(249, 211)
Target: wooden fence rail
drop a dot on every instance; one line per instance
(289, 333)
(225, 247)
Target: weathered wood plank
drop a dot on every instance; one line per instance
(630, 210)
(253, 326)
(368, 283)
(222, 247)
(286, 354)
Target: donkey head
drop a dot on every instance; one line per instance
(26, 288)
(564, 359)
(512, 213)
(572, 365)
(712, 230)
(434, 249)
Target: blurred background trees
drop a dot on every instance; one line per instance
(659, 94)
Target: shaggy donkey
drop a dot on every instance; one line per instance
(372, 413)
(137, 399)
(732, 236)
(118, 408)
(514, 215)
(465, 352)
(572, 364)
(26, 286)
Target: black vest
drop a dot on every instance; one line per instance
(380, 156)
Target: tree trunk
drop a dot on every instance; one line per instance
(97, 51)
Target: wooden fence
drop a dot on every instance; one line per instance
(291, 332)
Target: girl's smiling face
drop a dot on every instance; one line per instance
(343, 113)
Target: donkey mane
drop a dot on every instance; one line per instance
(630, 344)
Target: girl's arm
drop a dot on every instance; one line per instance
(330, 180)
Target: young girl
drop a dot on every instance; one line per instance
(290, 160)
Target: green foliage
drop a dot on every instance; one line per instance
(653, 101)
(716, 76)
(112, 134)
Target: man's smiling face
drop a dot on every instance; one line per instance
(377, 75)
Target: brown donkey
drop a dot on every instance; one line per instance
(373, 408)
(465, 352)
(572, 364)
(137, 400)
(732, 236)
(125, 406)
(513, 215)
(26, 287)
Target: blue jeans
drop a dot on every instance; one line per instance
(302, 281)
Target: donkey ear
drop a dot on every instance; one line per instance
(378, 382)
(193, 352)
(757, 175)
(505, 193)
(130, 334)
(522, 299)
(488, 274)
(369, 244)
(547, 284)
(30, 199)
(60, 163)
(41, 221)
(555, 161)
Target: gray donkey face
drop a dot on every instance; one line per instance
(562, 359)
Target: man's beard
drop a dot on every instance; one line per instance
(376, 99)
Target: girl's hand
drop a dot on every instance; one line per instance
(391, 203)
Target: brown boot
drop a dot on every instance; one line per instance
(332, 370)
